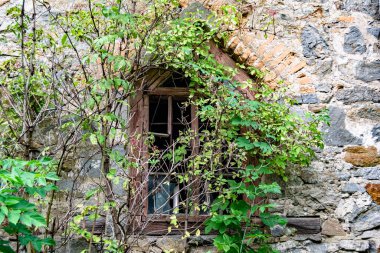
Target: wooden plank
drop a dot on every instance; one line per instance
(223, 58)
(161, 228)
(98, 225)
(146, 156)
(226, 60)
(195, 150)
(170, 118)
(145, 79)
(180, 218)
(195, 128)
(305, 225)
(152, 78)
(166, 91)
(161, 77)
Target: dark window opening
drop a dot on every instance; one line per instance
(169, 115)
(176, 80)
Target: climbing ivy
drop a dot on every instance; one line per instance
(99, 57)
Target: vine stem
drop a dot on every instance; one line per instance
(93, 224)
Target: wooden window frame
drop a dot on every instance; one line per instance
(170, 93)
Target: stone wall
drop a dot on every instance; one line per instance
(328, 52)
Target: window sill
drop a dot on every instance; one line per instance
(180, 217)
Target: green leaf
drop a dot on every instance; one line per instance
(28, 178)
(4, 210)
(10, 200)
(93, 139)
(14, 216)
(52, 176)
(2, 217)
(6, 249)
(240, 208)
(120, 64)
(271, 220)
(25, 218)
(91, 193)
(64, 39)
(37, 220)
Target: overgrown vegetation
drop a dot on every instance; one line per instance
(84, 80)
(19, 181)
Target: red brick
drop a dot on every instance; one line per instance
(307, 89)
(279, 58)
(272, 52)
(184, 3)
(233, 42)
(270, 76)
(259, 64)
(248, 37)
(347, 19)
(251, 59)
(283, 66)
(297, 67)
(244, 56)
(239, 49)
(262, 47)
(304, 80)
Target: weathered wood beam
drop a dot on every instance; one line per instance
(303, 225)
(169, 91)
(226, 60)
(223, 58)
(159, 226)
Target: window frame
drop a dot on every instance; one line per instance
(170, 92)
(157, 224)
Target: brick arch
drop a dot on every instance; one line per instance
(270, 55)
(267, 53)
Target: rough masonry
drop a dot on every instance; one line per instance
(328, 52)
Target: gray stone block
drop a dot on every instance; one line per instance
(320, 248)
(375, 31)
(65, 184)
(208, 249)
(323, 87)
(368, 173)
(171, 243)
(343, 176)
(308, 99)
(368, 220)
(75, 246)
(370, 234)
(352, 188)
(314, 46)
(368, 72)
(366, 111)
(91, 168)
(370, 7)
(354, 245)
(354, 41)
(323, 67)
(337, 134)
(332, 227)
(358, 94)
(376, 132)
(277, 231)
